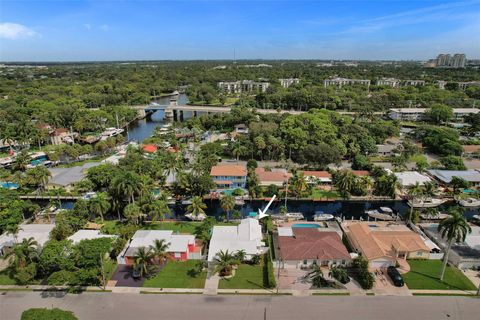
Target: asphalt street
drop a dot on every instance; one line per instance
(126, 306)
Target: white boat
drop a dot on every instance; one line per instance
(427, 203)
(187, 202)
(321, 216)
(477, 216)
(383, 213)
(110, 132)
(199, 217)
(294, 215)
(469, 203)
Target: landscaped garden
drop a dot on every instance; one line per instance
(247, 276)
(324, 194)
(181, 274)
(424, 274)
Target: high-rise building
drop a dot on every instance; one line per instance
(447, 61)
(459, 60)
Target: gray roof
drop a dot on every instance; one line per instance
(68, 176)
(447, 175)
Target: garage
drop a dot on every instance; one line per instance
(381, 263)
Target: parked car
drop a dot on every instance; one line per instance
(395, 276)
(136, 275)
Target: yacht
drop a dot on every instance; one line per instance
(110, 132)
(427, 203)
(469, 203)
(322, 216)
(383, 213)
(199, 217)
(294, 216)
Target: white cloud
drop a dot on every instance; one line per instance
(15, 31)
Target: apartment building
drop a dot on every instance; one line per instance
(339, 82)
(389, 82)
(288, 82)
(416, 114)
(243, 86)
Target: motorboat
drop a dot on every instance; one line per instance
(198, 217)
(382, 213)
(427, 203)
(186, 202)
(477, 216)
(110, 132)
(469, 203)
(322, 216)
(430, 216)
(294, 215)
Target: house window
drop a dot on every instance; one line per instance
(419, 253)
(177, 255)
(305, 262)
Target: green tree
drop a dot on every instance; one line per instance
(143, 257)
(440, 113)
(197, 207)
(100, 204)
(225, 262)
(132, 213)
(344, 183)
(127, 184)
(454, 228)
(159, 250)
(227, 203)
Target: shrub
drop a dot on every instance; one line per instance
(340, 274)
(238, 192)
(47, 314)
(268, 272)
(361, 273)
(62, 278)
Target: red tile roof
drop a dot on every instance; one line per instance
(228, 171)
(310, 243)
(361, 172)
(471, 148)
(151, 148)
(274, 176)
(318, 174)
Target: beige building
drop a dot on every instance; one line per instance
(339, 82)
(288, 82)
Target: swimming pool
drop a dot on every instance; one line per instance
(9, 185)
(306, 225)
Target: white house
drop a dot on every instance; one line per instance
(246, 236)
(39, 232)
(410, 178)
(88, 235)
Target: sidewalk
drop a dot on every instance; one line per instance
(211, 283)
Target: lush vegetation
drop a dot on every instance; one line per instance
(360, 273)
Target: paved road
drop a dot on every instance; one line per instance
(186, 307)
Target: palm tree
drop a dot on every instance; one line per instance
(453, 228)
(317, 278)
(156, 209)
(13, 229)
(227, 203)
(197, 207)
(345, 182)
(225, 262)
(127, 184)
(159, 250)
(413, 192)
(133, 213)
(300, 184)
(24, 253)
(240, 255)
(100, 204)
(142, 259)
(38, 176)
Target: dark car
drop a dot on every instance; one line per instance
(395, 276)
(136, 274)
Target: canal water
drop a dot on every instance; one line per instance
(142, 129)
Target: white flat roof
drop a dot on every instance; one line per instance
(146, 238)
(473, 238)
(88, 235)
(410, 178)
(39, 232)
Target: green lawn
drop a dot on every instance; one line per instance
(322, 194)
(5, 278)
(176, 275)
(424, 274)
(246, 277)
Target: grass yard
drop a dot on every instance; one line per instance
(424, 274)
(246, 277)
(323, 194)
(176, 275)
(5, 278)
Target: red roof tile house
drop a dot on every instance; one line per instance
(306, 246)
(276, 177)
(150, 148)
(229, 176)
(315, 177)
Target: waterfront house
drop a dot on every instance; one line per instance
(444, 177)
(302, 247)
(318, 177)
(61, 136)
(228, 176)
(383, 244)
(67, 177)
(247, 236)
(276, 177)
(39, 232)
(181, 247)
(411, 178)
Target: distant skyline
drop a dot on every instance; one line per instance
(197, 30)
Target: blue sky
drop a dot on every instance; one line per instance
(136, 30)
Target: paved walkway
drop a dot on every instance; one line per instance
(211, 283)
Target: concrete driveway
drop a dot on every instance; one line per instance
(384, 286)
(123, 277)
(292, 279)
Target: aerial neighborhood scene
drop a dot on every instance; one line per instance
(249, 160)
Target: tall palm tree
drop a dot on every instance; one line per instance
(227, 203)
(127, 184)
(38, 176)
(453, 228)
(345, 181)
(300, 184)
(197, 207)
(225, 262)
(159, 250)
(156, 209)
(100, 204)
(412, 193)
(142, 259)
(24, 252)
